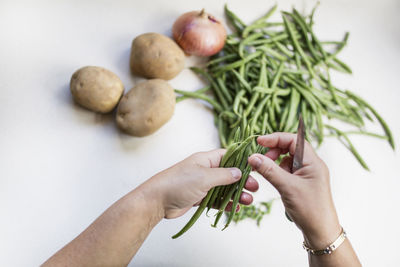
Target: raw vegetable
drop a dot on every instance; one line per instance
(199, 33)
(254, 212)
(96, 88)
(146, 107)
(154, 55)
(243, 145)
(268, 72)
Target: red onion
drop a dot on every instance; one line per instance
(199, 33)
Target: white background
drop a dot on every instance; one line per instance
(61, 165)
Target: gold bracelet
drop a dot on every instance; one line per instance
(329, 249)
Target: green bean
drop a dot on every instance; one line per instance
(265, 17)
(238, 63)
(214, 196)
(367, 134)
(260, 107)
(307, 96)
(250, 38)
(303, 27)
(277, 76)
(237, 100)
(253, 100)
(253, 27)
(264, 90)
(213, 85)
(221, 59)
(264, 124)
(349, 145)
(342, 44)
(277, 38)
(199, 91)
(221, 132)
(292, 71)
(283, 49)
(342, 65)
(271, 52)
(283, 119)
(377, 116)
(296, 45)
(237, 196)
(241, 80)
(312, 14)
(277, 102)
(320, 125)
(333, 93)
(237, 23)
(263, 79)
(294, 104)
(224, 90)
(212, 102)
(343, 117)
(356, 115)
(196, 215)
(331, 42)
(298, 61)
(228, 115)
(271, 114)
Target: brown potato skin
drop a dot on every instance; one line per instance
(154, 55)
(96, 88)
(146, 107)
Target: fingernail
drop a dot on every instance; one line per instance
(256, 162)
(236, 173)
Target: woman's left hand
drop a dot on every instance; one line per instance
(186, 183)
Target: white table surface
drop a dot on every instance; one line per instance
(61, 165)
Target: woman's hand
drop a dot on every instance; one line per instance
(306, 193)
(186, 183)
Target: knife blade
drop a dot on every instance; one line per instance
(298, 152)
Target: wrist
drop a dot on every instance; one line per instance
(323, 236)
(149, 200)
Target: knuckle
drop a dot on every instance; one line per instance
(266, 169)
(196, 157)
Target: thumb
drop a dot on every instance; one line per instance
(221, 176)
(277, 176)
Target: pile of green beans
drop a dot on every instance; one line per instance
(219, 197)
(269, 72)
(266, 74)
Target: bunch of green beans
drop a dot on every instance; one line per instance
(219, 197)
(269, 72)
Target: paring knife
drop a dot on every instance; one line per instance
(298, 152)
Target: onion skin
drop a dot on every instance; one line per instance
(199, 33)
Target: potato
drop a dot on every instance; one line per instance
(146, 107)
(96, 88)
(154, 55)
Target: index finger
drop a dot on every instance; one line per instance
(285, 142)
(210, 159)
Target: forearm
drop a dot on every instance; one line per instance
(115, 237)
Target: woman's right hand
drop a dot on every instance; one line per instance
(306, 193)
